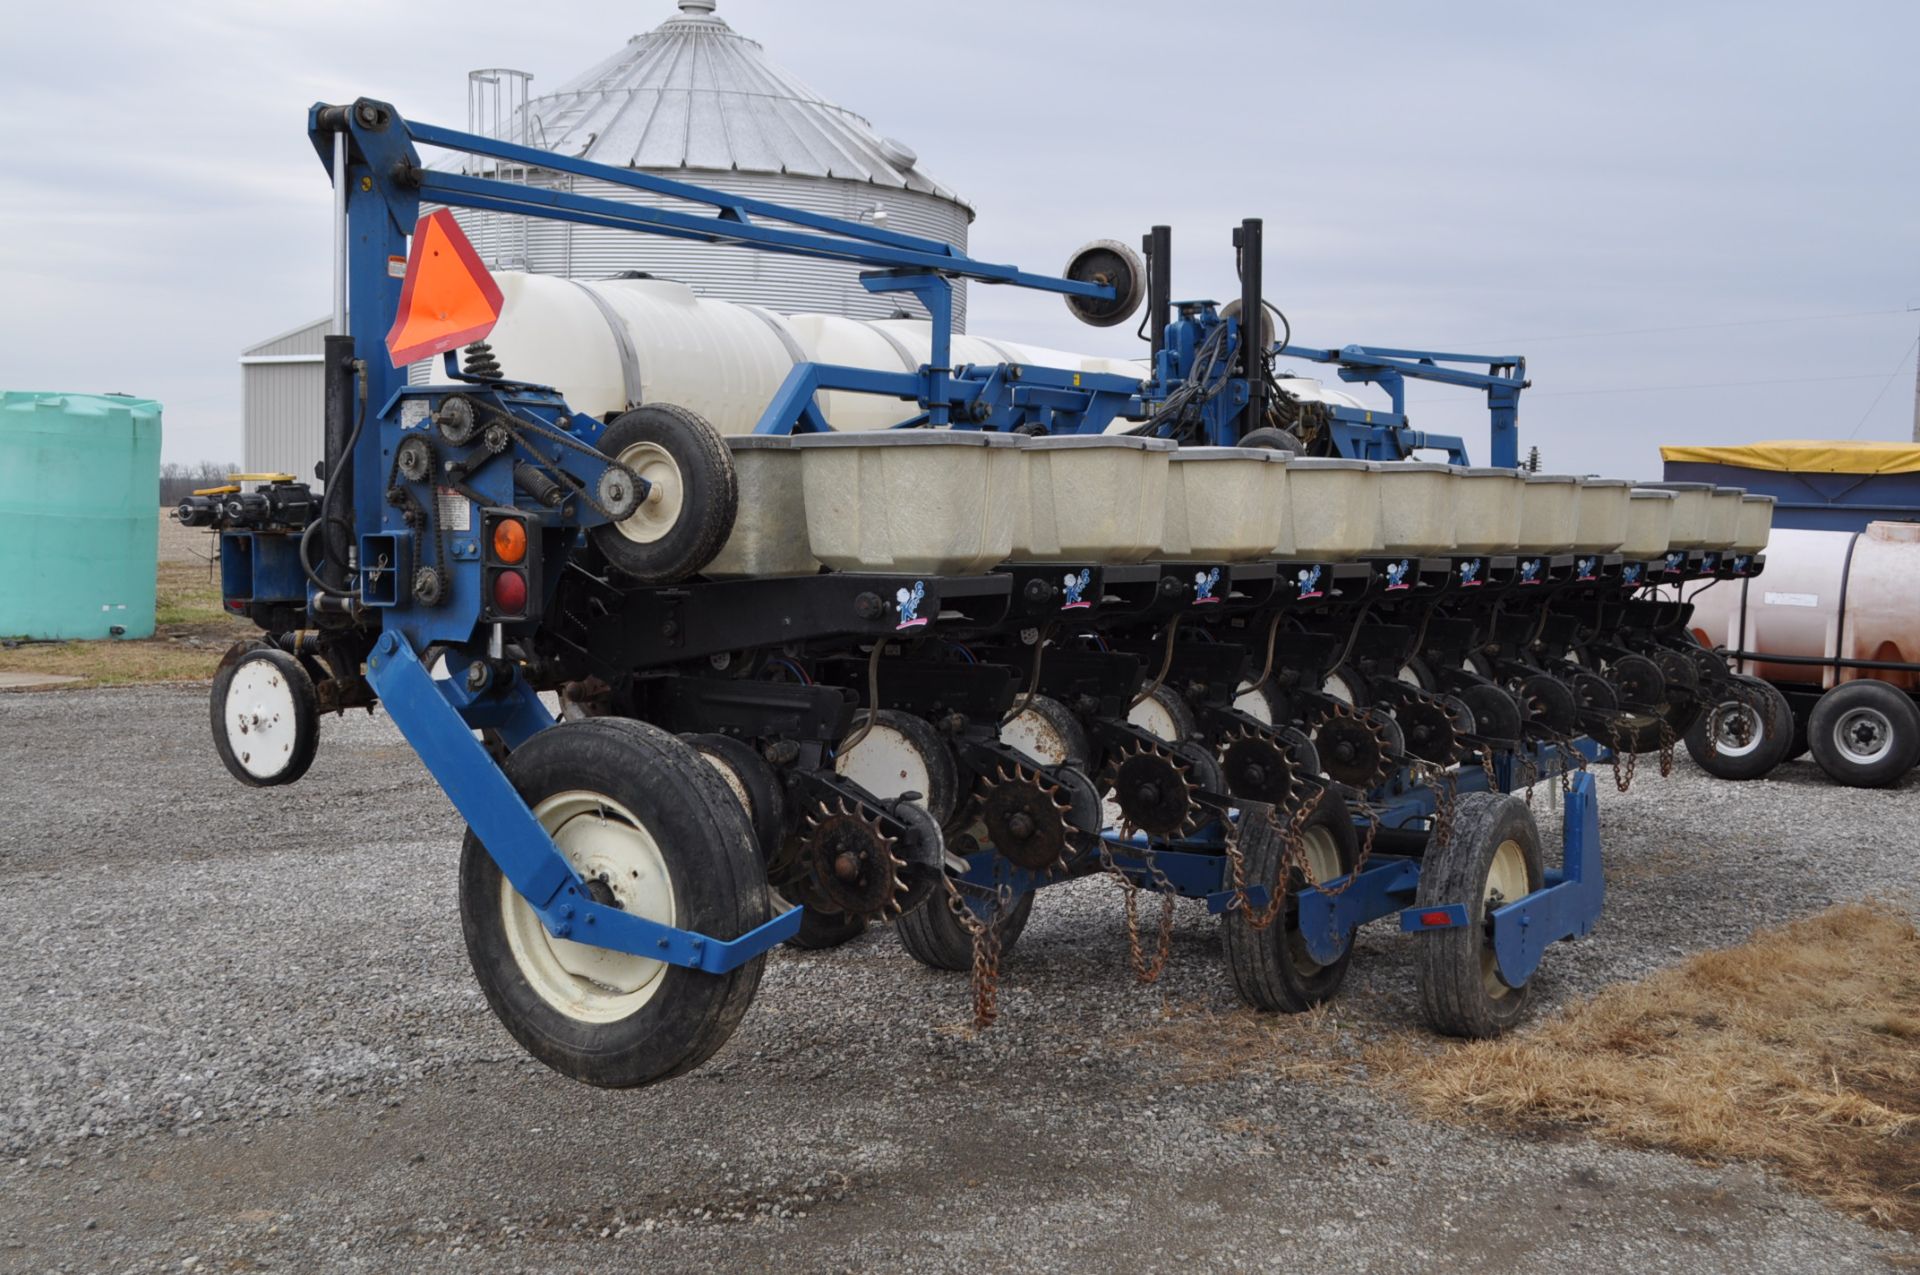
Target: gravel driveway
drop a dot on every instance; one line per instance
(239, 1032)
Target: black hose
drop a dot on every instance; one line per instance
(326, 500)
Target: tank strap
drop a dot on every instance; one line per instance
(772, 320)
(629, 357)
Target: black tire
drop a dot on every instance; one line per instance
(1864, 734)
(941, 795)
(1416, 672)
(1461, 992)
(661, 440)
(1754, 730)
(260, 686)
(934, 936)
(1800, 744)
(821, 930)
(753, 783)
(1359, 694)
(715, 876)
(1271, 969)
(1275, 440)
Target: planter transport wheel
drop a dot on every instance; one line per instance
(1864, 734)
(266, 721)
(653, 829)
(1271, 968)
(688, 510)
(1491, 858)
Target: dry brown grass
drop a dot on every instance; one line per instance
(1799, 1049)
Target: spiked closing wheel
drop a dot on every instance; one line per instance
(1152, 790)
(1353, 748)
(855, 866)
(1026, 817)
(1257, 767)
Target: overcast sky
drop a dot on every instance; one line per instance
(1699, 222)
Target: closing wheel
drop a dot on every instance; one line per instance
(903, 754)
(1864, 734)
(934, 936)
(1272, 968)
(266, 721)
(1743, 735)
(653, 830)
(1491, 858)
(691, 499)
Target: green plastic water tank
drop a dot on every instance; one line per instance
(79, 515)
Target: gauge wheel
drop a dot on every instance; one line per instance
(1272, 969)
(691, 499)
(1046, 732)
(935, 937)
(652, 828)
(903, 754)
(1864, 734)
(265, 718)
(1490, 858)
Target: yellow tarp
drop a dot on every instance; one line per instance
(1807, 456)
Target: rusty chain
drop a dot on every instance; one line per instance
(985, 975)
(1292, 855)
(1622, 775)
(1666, 746)
(1145, 971)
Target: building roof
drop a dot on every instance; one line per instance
(694, 94)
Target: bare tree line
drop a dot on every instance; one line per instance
(177, 479)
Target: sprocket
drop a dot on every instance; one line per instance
(1353, 748)
(1257, 766)
(1152, 788)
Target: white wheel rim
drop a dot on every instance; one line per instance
(601, 839)
(1155, 718)
(1506, 878)
(1036, 737)
(1410, 676)
(886, 763)
(1322, 854)
(1337, 687)
(262, 719)
(1863, 735)
(666, 494)
(1738, 719)
(1254, 704)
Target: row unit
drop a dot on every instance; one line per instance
(953, 502)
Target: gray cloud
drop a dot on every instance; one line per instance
(1459, 176)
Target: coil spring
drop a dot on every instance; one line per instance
(481, 363)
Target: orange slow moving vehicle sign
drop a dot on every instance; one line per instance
(448, 298)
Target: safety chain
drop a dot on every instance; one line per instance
(1292, 855)
(1622, 774)
(986, 949)
(1147, 972)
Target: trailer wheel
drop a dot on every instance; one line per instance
(1271, 439)
(638, 813)
(934, 936)
(689, 509)
(1491, 858)
(1864, 734)
(1752, 729)
(903, 754)
(266, 721)
(1272, 969)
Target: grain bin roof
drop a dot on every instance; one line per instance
(694, 94)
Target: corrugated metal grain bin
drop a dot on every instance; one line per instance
(79, 515)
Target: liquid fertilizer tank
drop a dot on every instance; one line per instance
(79, 502)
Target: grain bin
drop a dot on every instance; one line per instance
(79, 514)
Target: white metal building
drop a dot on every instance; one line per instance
(692, 100)
(281, 400)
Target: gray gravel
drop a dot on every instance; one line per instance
(239, 1029)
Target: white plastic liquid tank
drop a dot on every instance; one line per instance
(608, 344)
